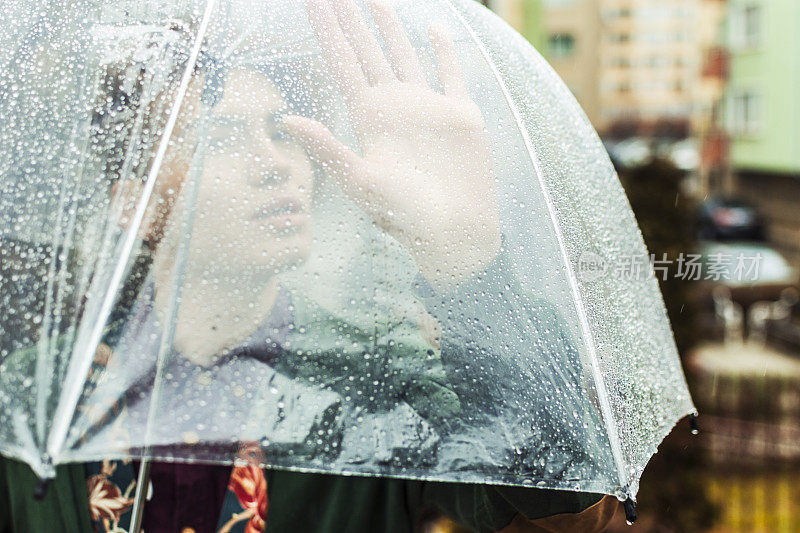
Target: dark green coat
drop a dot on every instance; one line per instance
(316, 502)
(302, 503)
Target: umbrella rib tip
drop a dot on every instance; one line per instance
(630, 510)
(694, 427)
(40, 490)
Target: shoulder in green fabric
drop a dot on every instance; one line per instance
(323, 503)
(65, 507)
(332, 348)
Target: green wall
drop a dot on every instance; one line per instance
(532, 27)
(772, 69)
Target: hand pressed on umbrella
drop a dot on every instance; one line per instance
(425, 172)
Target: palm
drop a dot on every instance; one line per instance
(424, 174)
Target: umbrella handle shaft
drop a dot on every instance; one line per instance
(142, 485)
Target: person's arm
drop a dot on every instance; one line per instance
(514, 353)
(519, 353)
(485, 508)
(595, 518)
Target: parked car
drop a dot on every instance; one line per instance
(722, 219)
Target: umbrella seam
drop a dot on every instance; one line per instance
(70, 395)
(44, 346)
(602, 393)
(44, 343)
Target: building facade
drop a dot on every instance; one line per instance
(635, 66)
(525, 16)
(707, 127)
(571, 33)
(650, 64)
(763, 112)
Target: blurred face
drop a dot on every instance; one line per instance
(254, 195)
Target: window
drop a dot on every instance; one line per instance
(746, 113)
(656, 61)
(561, 45)
(752, 25)
(558, 3)
(615, 13)
(745, 27)
(621, 62)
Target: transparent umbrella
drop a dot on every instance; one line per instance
(364, 239)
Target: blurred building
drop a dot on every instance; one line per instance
(706, 120)
(763, 113)
(649, 66)
(571, 33)
(635, 66)
(566, 32)
(525, 16)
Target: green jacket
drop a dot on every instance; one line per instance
(302, 503)
(317, 502)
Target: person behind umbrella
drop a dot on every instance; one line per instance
(451, 230)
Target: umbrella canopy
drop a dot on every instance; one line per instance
(360, 239)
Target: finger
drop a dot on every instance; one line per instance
(363, 42)
(336, 50)
(326, 150)
(450, 74)
(401, 54)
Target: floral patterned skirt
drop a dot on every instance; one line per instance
(185, 498)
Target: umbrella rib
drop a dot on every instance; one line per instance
(80, 366)
(44, 346)
(602, 393)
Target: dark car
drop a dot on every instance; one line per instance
(722, 219)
